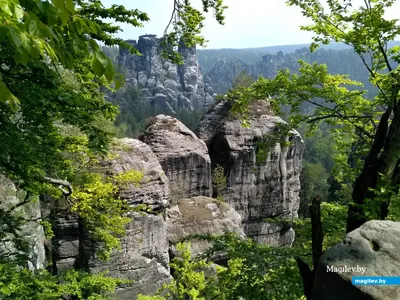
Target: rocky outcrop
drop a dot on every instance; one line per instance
(163, 83)
(256, 190)
(370, 250)
(183, 156)
(201, 216)
(144, 257)
(31, 232)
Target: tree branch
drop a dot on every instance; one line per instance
(61, 184)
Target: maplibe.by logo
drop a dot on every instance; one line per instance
(345, 269)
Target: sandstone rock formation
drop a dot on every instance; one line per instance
(144, 256)
(183, 156)
(31, 232)
(165, 84)
(256, 190)
(201, 215)
(373, 246)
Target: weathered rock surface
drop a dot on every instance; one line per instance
(32, 232)
(165, 84)
(144, 256)
(183, 156)
(255, 190)
(201, 215)
(373, 246)
(65, 243)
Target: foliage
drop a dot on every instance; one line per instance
(134, 112)
(219, 181)
(253, 271)
(103, 213)
(17, 283)
(364, 129)
(242, 80)
(190, 280)
(333, 217)
(314, 179)
(190, 118)
(356, 123)
(187, 23)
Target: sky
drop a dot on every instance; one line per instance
(248, 23)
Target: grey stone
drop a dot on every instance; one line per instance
(152, 71)
(257, 191)
(131, 154)
(201, 215)
(145, 93)
(183, 156)
(373, 246)
(144, 257)
(142, 79)
(32, 231)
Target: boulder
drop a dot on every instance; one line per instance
(256, 190)
(370, 250)
(201, 215)
(183, 156)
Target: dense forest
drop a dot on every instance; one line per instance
(64, 104)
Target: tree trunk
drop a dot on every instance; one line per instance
(368, 177)
(316, 230)
(307, 275)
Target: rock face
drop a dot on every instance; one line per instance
(32, 232)
(165, 84)
(183, 156)
(65, 243)
(373, 246)
(201, 215)
(255, 190)
(144, 257)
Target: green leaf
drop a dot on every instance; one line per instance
(93, 26)
(52, 15)
(18, 11)
(109, 72)
(95, 47)
(32, 27)
(22, 57)
(98, 67)
(104, 60)
(25, 42)
(7, 97)
(69, 4)
(59, 4)
(4, 6)
(119, 81)
(15, 36)
(64, 16)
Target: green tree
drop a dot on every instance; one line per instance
(242, 80)
(365, 131)
(55, 122)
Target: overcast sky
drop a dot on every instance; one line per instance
(248, 23)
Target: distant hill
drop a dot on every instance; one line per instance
(208, 57)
